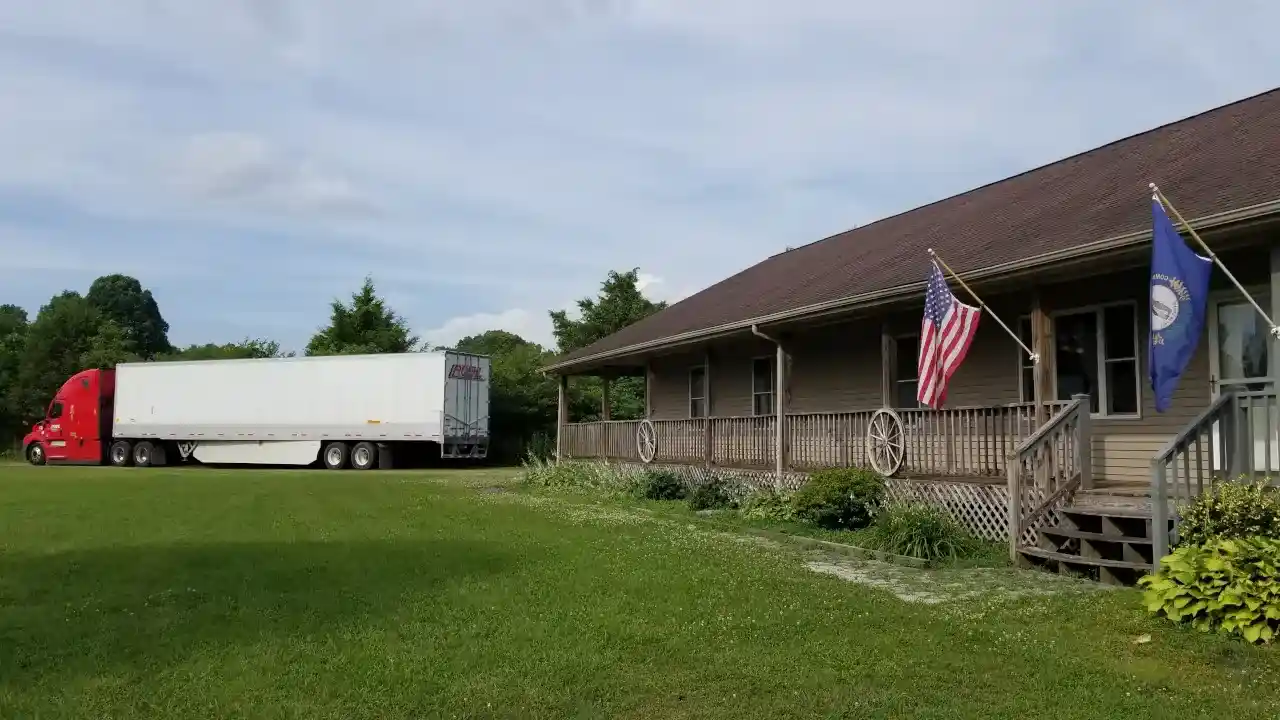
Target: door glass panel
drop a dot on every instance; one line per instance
(1242, 343)
(1077, 356)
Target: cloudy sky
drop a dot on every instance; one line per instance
(488, 160)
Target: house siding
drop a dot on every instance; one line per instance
(837, 367)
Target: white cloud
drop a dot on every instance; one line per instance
(531, 325)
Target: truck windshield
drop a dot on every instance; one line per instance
(55, 411)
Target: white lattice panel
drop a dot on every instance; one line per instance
(982, 509)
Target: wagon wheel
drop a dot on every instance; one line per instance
(885, 442)
(646, 441)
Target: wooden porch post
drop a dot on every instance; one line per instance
(1042, 344)
(605, 409)
(562, 415)
(648, 390)
(888, 364)
(1084, 458)
(780, 409)
(708, 442)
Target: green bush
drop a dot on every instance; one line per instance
(921, 531)
(1226, 586)
(661, 485)
(769, 505)
(710, 495)
(1230, 510)
(586, 475)
(840, 499)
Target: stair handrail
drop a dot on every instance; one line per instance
(1077, 410)
(1223, 409)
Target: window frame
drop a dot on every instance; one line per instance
(706, 406)
(1104, 389)
(773, 385)
(897, 381)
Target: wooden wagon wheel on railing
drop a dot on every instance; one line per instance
(646, 441)
(886, 442)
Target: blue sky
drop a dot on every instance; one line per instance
(486, 161)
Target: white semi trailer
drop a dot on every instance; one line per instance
(357, 411)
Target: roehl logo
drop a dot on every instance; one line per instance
(465, 372)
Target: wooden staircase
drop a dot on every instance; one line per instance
(1104, 534)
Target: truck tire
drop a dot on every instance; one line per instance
(364, 456)
(144, 454)
(35, 454)
(120, 454)
(334, 455)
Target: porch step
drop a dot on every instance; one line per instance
(1109, 508)
(1069, 559)
(1065, 532)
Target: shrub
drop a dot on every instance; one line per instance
(660, 485)
(921, 531)
(710, 495)
(581, 475)
(1230, 510)
(839, 499)
(769, 505)
(1227, 586)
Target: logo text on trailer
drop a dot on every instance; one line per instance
(465, 372)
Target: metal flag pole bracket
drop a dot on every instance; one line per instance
(1164, 202)
(1035, 358)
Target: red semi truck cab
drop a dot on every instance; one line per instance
(76, 429)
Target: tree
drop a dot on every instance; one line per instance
(69, 335)
(367, 325)
(243, 350)
(122, 300)
(619, 304)
(13, 334)
(522, 400)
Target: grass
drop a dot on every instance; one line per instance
(294, 594)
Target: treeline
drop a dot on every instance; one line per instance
(118, 320)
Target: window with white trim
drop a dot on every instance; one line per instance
(698, 392)
(762, 386)
(906, 373)
(1095, 354)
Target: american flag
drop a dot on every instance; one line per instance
(948, 329)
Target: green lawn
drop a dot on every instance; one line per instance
(197, 593)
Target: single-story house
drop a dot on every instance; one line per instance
(808, 359)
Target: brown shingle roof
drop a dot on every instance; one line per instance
(1220, 160)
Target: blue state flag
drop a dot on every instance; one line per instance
(1179, 298)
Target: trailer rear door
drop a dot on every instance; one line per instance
(466, 405)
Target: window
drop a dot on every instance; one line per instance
(762, 386)
(55, 411)
(1095, 354)
(906, 374)
(698, 392)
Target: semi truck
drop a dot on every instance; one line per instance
(346, 411)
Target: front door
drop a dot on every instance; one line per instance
(1240, 359)
(56, 432)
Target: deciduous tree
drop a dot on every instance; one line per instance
(122, 300)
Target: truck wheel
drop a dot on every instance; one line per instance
(364, 456)
(143, 454)
(35, 454)
(335, 455)
(120, 454)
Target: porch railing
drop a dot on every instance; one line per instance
(954, 441)
(1045, 471)
(1236, 437)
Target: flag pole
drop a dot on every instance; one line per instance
(1160, 197)
(1034, 357)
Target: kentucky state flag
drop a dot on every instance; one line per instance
(1179, 299)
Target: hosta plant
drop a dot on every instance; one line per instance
(1227, 586)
